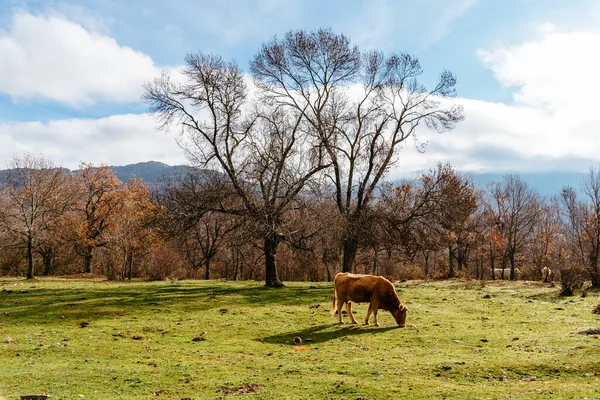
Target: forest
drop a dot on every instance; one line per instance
(440, 225)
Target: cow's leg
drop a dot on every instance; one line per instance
(349, 309)
(375, 308)
(340, 304)
(368, 314)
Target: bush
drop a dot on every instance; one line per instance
(161, 263)
(571, 277)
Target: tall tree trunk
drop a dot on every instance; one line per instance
(492, 258)
(271, 277)
(207, 268)
(451, 262)
(375, 262)
(47, 257)
(350, 250)
(130, 265)
(30, 258)
(87, 260)
(512, 266)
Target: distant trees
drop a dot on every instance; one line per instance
(33, 198)
(514, 206)
(437, 225)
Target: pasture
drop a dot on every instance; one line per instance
(77, 339)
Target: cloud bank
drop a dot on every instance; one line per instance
(55, 59)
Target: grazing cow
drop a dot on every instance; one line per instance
(498, 273)
(546, 274)
(376, 290)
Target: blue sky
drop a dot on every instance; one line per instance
(71, 72)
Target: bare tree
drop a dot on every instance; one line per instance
(259, 149)
(581, 223)
(437, 206)
(514, 206)
(359, 105)
(198, 233)
(35, 196)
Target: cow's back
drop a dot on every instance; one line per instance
(357, 288)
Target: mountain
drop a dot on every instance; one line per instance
(150, 171)
(546, 183)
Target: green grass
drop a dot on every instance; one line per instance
(521, 342)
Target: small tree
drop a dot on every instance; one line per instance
(35, 196)
(514, 206)
(97, 203)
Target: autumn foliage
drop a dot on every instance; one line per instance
(440, 225)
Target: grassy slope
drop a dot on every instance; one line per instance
(521, 342)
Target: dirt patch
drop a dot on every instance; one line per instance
(248, 388)
(591, 331)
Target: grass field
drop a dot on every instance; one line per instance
(209, 340)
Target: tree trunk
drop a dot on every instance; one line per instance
(451, 262)
(375, 262)
(512, 266)
(207, 268)
(47, 261)
(271, 277)
(29, 258)
(350, 250)
(492, 264)
(130, 265)
(87, 260)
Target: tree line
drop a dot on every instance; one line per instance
(439, 225)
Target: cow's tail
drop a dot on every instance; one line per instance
(334, 306)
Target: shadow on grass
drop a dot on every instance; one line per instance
(325, 333)
(33, 302)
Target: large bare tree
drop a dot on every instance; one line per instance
(360, 105)
(261, 150)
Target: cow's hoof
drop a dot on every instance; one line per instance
(376, 323)
(341, 323)
(366, 323)
(355, 322)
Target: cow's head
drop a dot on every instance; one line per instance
(400, 315)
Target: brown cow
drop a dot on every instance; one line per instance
(376, 290)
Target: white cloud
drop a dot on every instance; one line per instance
(115, 140)
(552, 125)
(56, 59)
(557, 72)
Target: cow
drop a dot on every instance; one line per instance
(546, 274)
(378, 291)
(498, 273)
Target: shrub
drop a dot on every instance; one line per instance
(161, 263)
(571, 277)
